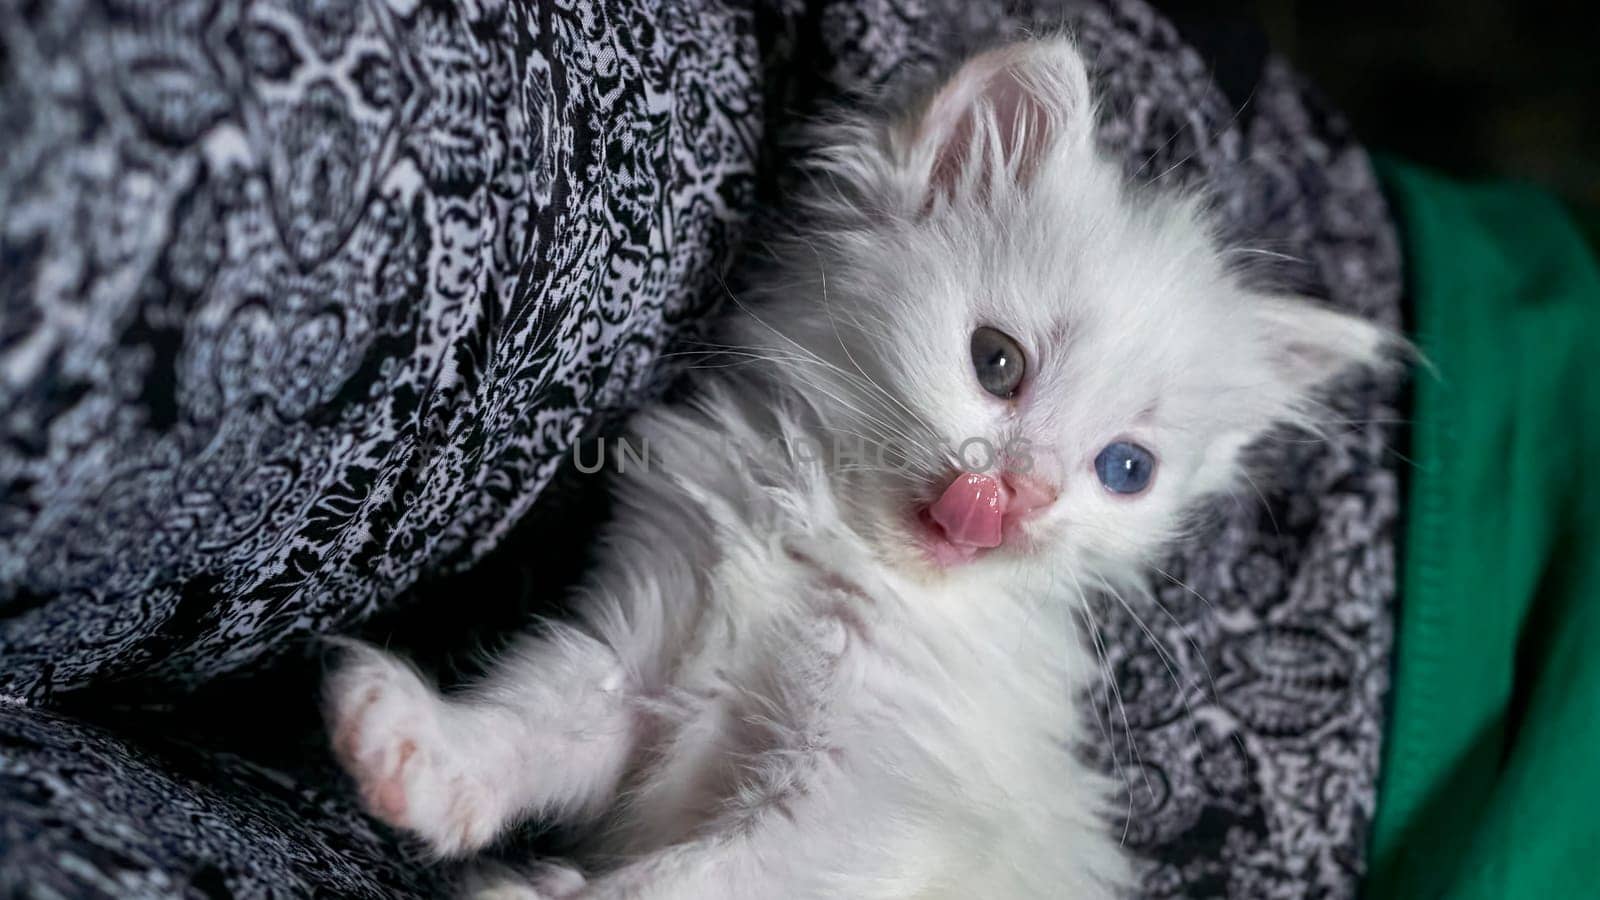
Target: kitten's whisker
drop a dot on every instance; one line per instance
(811, 356)
(1124, 539)
(1103, 670)
(1184, 630)
(1267, 507)
(827, 305)
(1166, 660)
(890, 428)
(1111, 682)
(869, 382)
(1223, 127)
(1257, 251)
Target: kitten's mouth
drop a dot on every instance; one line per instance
(973, 513)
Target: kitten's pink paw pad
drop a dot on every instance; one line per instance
(386, 732)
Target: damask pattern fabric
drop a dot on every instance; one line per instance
(306, 298)
(303, 301)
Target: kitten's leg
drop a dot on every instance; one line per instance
(819, 816)
(550, 731)
(825, 839)
(553, 727)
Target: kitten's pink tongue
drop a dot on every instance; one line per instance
(971, 511)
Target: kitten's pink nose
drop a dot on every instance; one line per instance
(1028, 493)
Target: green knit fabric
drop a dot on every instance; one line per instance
(1491, 776)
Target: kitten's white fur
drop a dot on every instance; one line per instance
(770, 692)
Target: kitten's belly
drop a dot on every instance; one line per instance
(844, 684)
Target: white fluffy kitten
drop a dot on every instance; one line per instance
(861, 679)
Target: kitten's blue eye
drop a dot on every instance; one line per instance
(1125, 468)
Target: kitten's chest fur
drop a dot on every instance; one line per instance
(954, 699)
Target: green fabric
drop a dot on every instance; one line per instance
(1491, 776)
(1588, 217)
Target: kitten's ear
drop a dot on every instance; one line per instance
(1300, 347)
(1309, 345)
(992, 124)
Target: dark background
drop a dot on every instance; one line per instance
(1474, 87)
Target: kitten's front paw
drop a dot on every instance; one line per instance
(387, 731)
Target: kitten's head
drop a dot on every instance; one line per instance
(981, 276)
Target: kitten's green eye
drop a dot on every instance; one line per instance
(998, 361)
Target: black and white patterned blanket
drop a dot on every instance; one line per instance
(303, 304)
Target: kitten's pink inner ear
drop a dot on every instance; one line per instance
(988, 127)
